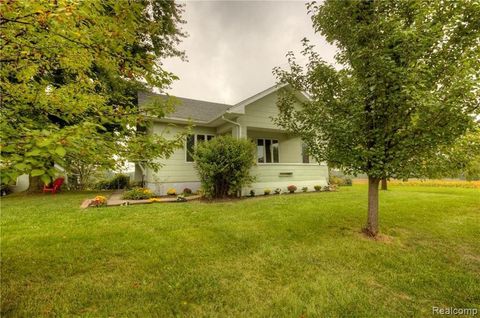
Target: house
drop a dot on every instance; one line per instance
(281, 157)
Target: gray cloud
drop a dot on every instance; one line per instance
(233, 46)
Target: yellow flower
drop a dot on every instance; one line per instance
(100, 199)
(171, 191)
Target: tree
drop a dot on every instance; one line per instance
(70, 72)
(223, 165)
(462, 159)
(470, 149)
(384, 184)
(408, 85)
(86, 159)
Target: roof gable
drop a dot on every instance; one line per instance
(188, 109)
(239, 108)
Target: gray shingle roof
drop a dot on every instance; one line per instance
(189, 108)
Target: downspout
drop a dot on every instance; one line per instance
(239, 193)
(236, 124)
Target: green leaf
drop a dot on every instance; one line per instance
(37, 172)
(60, 151)
(5, 179)
(34, 152)
(44, 142)
(21, 166)
(9, 148)
(46, 179)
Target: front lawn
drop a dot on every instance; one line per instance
(280, 256)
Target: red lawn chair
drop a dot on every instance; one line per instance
(53, 187)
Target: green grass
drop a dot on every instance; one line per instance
(281, 256)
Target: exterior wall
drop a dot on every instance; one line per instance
(260, 113)
(176, 171)
(137, 175)
(272, 176)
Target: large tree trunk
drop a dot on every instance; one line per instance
(35, 185)
(372, 220)
(384, 184)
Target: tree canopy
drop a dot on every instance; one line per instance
(408, 84)
(70, 72)
(462, 159)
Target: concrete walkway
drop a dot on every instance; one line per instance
(116, 198)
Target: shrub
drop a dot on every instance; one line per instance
(340, 181)
(223, 165)
(119, 181)
(305, 189)
(102, 185)
(138, 194)
(347, 181)
(292, 188)
(252, 193)
(278, 191)
(172, 191)
(267, 191)
(334, 180)
(136, 184)
(317, 187)
(187, 191)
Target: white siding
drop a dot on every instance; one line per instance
(272, 176)
(176, 171)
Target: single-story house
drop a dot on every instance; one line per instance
(281, 159)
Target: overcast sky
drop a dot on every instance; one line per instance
(233, 46)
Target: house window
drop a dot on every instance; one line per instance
(192, 141)
(267, 151)
(305, 155)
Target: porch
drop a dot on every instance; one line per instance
(281, 160)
